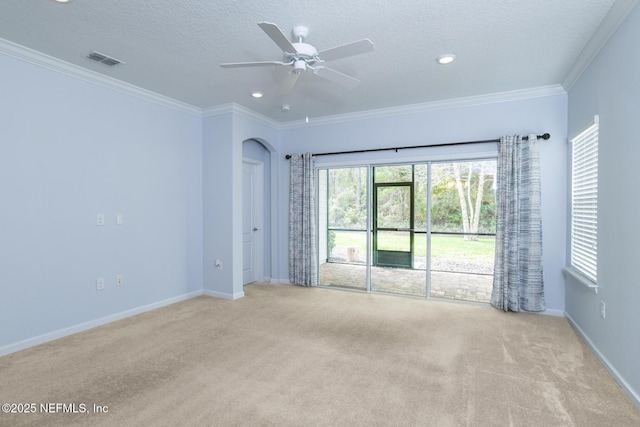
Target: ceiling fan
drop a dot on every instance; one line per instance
(303, 56)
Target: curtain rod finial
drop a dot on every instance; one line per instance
(545, 136)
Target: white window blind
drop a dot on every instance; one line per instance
(584, 202)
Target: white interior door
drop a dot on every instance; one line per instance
(252, 219)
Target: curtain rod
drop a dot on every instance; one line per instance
(544, 136)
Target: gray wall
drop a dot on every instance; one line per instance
(610, 87)
(69, 150)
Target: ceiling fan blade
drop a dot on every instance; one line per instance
(276, 34)
(289, 82)
(350, 49)
(337, 77)
(252, 64)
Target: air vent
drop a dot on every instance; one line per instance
(104, 59)
(110, 62)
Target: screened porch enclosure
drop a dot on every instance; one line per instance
(413, 229)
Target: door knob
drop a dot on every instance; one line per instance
(255, 229)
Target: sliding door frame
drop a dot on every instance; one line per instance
(370, 187)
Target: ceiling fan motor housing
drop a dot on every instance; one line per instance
(304, 52)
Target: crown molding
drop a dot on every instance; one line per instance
(241, 111)
(38, 58)
(493, 98)
(216, 110)
(257, 117)
(610, 23)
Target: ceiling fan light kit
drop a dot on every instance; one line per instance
(302, 56)
(299, 65)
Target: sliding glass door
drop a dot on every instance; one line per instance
(343, 248)
(462, 230)
(413, 229)
(393, 232)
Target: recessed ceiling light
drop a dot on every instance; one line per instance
(256, 94)
(62, 1)
(446, 58)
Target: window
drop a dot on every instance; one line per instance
(584, 202)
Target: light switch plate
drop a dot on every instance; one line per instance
(100, 219)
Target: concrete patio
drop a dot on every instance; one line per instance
(449, 285)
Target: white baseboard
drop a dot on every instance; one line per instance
(50, 336)
(553, 312)
(224, 295)
(633, 395)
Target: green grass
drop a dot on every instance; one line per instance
(481, 250)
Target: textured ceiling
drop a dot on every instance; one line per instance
(174, 47)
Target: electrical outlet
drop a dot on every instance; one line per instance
(602, 309)
(219, 264)
(100, 219)
(119, 280)
(100, 284)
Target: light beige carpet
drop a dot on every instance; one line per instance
(286, 355)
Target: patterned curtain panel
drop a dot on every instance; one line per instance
(517, 280)
(303, 257)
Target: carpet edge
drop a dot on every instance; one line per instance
(54, 335)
